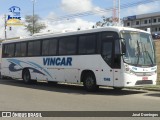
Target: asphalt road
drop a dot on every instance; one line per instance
(17, 96)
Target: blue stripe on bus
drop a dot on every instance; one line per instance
(14, 62)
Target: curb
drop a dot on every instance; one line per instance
(142, 88)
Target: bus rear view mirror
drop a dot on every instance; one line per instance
(123, 46)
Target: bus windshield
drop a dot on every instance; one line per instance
(139, 48)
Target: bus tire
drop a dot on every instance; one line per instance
(89, 82)
(117, 88)
(27, 77)
(52, 82)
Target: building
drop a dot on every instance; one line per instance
(144, 21)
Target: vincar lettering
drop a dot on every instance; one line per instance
(57, 61)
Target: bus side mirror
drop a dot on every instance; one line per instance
(123, 46)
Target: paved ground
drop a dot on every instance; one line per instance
(16, 96)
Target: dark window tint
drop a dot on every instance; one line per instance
(128, 24)
(107, 52)
(156, 29)
(117, 47)
(149, 20)
(8, 50)
(137, 22)
(110, 39)
(20, 50)
(145, 21)
(154, 20)
(87, 44)
(117, 57)
(34, 48)
(67, 46)
(49, 47)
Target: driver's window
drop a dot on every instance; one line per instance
(107, 52)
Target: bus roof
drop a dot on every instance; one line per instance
(61, 34)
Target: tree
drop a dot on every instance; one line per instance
(38, 26)
(107, 22)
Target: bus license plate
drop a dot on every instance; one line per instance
(144, 78)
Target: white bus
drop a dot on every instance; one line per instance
(110, 56)
(0, 57)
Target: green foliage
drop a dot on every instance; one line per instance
(107, 22)
(38, 26)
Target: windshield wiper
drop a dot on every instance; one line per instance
(148, 54)
(138, 49)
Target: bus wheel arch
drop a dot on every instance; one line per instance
(89, 80)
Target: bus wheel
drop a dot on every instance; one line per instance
(26, 76)
(117, 88)
(52, 82)
(90, 82)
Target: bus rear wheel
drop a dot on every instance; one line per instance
(89, 82)
(27, 77)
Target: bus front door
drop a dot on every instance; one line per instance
(112, 57)
(107, 55)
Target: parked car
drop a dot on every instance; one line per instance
(156, 36)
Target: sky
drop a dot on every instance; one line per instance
(51, 10)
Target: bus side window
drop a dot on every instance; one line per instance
(4, 53)
(18, 49)
(49, 47)
(87, 44)
(34, 48)
(37, 48)
(53, 47)
(45, 47)
(67, 46)
(8, 50)
(23, 49)
(30, 48)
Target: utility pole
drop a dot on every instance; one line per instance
(114, 14)
(116, 19)
(33, 16)
(5, 27)
(119, 13)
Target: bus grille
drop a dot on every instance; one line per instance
(140, 82)
(143, 73)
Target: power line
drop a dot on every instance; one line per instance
(88, 13)
(45, 8)
(105, 10)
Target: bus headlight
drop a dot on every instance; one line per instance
(127, 70)
(154, 72)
